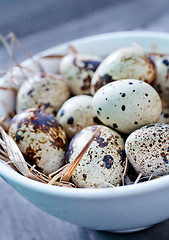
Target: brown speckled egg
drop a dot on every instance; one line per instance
(45, 91)
(40, 138)
(77, 113)
(147, 149)
(162, 81)
(103, 163)
(125, 63)
(78, 69)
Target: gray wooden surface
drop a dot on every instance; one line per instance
(43, 24)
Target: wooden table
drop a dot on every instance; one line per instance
(20, 220)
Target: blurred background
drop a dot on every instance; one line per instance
(40, 24)
(44, 23)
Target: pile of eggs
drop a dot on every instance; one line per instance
(126, 95)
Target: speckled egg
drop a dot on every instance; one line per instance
(17, 75)
(103, 163)
(40, 138)
(164, 118)
(162, 81)
(45, 91)
(147, 149)
(78, 69)
(125, 63)
(77, 113)
(126, 105)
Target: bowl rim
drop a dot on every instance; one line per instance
(14, 177)
(96, 37)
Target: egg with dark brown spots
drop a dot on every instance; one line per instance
(162, 80)
(45, 91)
(77, 113)
(147, 149)
(40, 138)
(125, 63)
(126, 105)
(78, 69)
(103, 163)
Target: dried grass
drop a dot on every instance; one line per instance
(60, 56)
(11, 154)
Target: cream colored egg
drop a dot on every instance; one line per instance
(77, 113)
(126, 105)
(147, 149)
(78, 69)
(40, 138)
(125, 63)
(45, 91)
(103, 163)
(162, 80)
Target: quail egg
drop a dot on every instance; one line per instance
(45, 91)
(147, 149)
(162, 81)
(103, 163)
(164, 118)
(78, 69)
(125, 63)
(77, 113)
(40, 138)
(17, 75)
(127, 104)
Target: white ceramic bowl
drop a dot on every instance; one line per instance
(122, 208)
